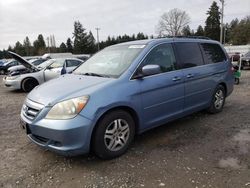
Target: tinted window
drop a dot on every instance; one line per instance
(213, 53)
(73, 63)
(189, 54)
(162, 55)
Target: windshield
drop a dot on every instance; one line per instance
(46, 63)
(110, 62)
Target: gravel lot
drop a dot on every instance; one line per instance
(200, 150)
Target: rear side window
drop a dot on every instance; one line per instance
(213, 53)
(189, 54)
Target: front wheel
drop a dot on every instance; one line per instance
(28, 84)
(218, 100)
(114, 134)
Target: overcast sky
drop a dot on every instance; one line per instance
(20, 18)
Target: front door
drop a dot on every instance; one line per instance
(162, 94)
(54, 70)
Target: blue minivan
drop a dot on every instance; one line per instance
(125, 90)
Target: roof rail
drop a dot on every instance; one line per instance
(191, 37)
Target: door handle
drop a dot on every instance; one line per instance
(190, 76)
(177, 78)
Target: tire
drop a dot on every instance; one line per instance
(218, 100)
(113, 134)
(28, 84)
(237, 81)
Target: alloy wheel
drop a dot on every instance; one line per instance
(116, 134)
(219, 99)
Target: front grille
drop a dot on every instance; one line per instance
(31, 109)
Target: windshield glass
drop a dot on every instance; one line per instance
(110, 62)
(46, 63)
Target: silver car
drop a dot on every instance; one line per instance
(34, 76)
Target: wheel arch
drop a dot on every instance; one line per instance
(127, 109)
(225, 87)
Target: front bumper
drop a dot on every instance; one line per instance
(14, 84)
(66, 137)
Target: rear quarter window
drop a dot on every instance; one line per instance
(189, 54)
(212, 53)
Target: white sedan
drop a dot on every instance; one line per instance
(34, 76)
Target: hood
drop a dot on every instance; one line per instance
(22, 61)
(65, 87)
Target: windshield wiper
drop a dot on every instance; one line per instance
(94, 74)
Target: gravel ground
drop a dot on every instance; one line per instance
(200, 150)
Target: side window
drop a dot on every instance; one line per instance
(162, 55)
(72, 63)
(189, 54)
(213, 53)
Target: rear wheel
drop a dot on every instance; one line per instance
(28, 84)
(218, 100)
(236, 81)
(113, 134)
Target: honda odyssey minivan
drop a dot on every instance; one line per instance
(125, 90)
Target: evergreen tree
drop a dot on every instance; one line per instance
(91, 47)
(186, 31)
(241, 33)
(10, 48)
(233, 24)
(62, 48)
(200, 31)
(39, 45)
(69, 45)
(212, 27)
(19, 49)
(80, 38)
(27, 46)
(141, 36)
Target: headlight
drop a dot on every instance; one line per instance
(67, 109)
(12, 77)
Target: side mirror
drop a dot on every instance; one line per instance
(64, 70)
(148, 70)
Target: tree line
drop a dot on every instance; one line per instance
(82, 42)
(175, 23)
